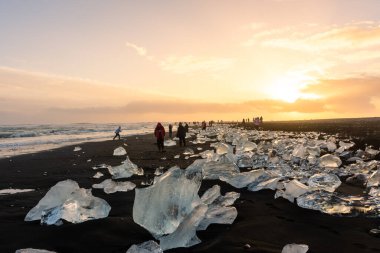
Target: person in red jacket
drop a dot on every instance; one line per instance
(159, 132)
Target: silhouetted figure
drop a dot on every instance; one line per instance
(170, 130)
(159, 132)
(261, 119)
(117, 133)
(204, 125)
(181, 134)
(186, 128)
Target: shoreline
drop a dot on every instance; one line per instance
(267, 224)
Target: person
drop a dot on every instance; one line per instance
(170, 130)
(186, 128)
(181, 134)
(204, 125)
(117, 133)
(159, 132)
(261, 119)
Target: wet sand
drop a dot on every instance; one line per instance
(267, 224)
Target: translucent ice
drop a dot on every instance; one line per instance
(76, 149)
(98, 175)
(293, 190)
(120, 151)
(159, 171)
(331, 146)
(125, 170)
(246, 146)
(14, 191)
(223, 148)
(243, 179)
(245, 162)
(324, 181)
(110, 186)
(265, 183)
(330, 161)
(30, 250)
(160, 208)
(145, 247)
(176, 156)
(185, 233)
(346, 145)
(325, 202)
(299, 151)
(372, 152)
(295, 248)
(188, 151)
(169, 143)
(374, 179)
(210, 195)
(215, 170)
(67, 201)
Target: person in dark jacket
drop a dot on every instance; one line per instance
(186, 128)
(170, 130)
(159, 132)
(181, 134)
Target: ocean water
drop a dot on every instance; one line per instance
(24, 139)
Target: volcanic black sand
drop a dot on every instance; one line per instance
(265, 223)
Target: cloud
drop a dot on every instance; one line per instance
(139, 50)
(191, 64)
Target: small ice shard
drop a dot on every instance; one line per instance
(188, 151)
(169, 143)
(325, 202)
(30, 250)
(372, 152)
(211, 194)
(324, 181)
(120, 151)
(199, 148)
(160, 208)
(270, 183)
(244, 178)
(76, 149)
(299, 151)
(163, 158)
(98, 175)
(314, 151)
(295, 248)
(145, 247)
(185, 234)
(346, 145)
(330, 161)
(125, 170)
(110, 186)
(89, 160)
(187, 157)
(374, 179)
(222, 149)
(293, 190)
(176, 156)
(159, 171)
(331, 146)
(14, 191)
(67, 201)
(215, 170)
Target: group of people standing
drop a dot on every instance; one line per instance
(159, 133)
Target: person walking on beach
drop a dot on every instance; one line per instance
(159, 132)
(117, 133)
(170, 131)
(186, 128)
(181, 134)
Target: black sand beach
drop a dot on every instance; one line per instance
(265, 223)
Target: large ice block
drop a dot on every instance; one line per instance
(145, 247)
(324, 181)
(293, 190)
(243, 179)
(160, 208)
(125, 170)
(120, 151)
(110, 186)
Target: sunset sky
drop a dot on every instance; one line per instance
(169, 60)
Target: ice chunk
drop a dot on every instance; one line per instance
(110, 186)
(211, 194)
(372, 152)
(246, 146)
(293, 190)
(325, 202)
(331, 146)
(295, 248)
(169, 143)
(67, 201)
(314, 151)
(199, 148)
(215, 170)
(223, 148)
(98, 175)
(159, 171)
(101, 166)
(375, 192)
(145, 247)
(185, 234)
(188, 151)
(76, 149)
(30, 250)
(245, 162)
(299, 151)
(374, 179)
(14, 191)
(176, 156)
(330, 161)
(125, 170)
(346, 145)
(243, 179)
(120, 151)
(160, 208)
(270, 183)
(56, 196)
(324, 181)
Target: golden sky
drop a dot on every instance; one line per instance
(133, 61)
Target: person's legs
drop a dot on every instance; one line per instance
(118, 135)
